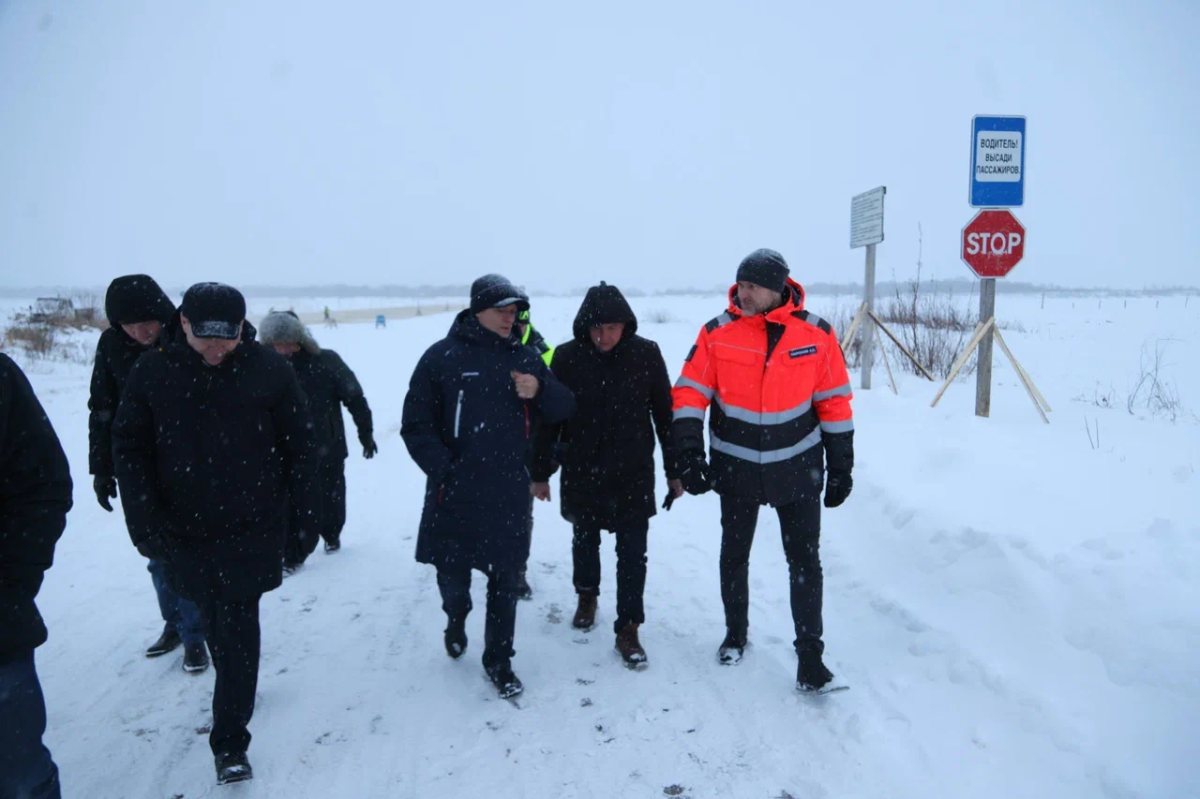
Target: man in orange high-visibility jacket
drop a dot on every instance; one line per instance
(776, 381)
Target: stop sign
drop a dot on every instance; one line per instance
(993, 242)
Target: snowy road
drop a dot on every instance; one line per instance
(1006, 632)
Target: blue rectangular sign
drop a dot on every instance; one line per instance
(997, 162)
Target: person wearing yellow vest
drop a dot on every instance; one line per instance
(530, 337)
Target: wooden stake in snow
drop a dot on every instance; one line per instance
(848, 336)
(903, 349)
(1030, 389)
(982, 328)
(888, 366)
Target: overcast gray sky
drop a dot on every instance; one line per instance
(649, 144)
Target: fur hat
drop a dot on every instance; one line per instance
(284, 327)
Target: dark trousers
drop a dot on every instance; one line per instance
(333, 498)
(234, 639)
(500, 625)
(631, 569)
(26, 769)
(180, 614)
(528, 537)
(331, 482)
(800, 524)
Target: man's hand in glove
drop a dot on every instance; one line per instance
(106, 489)
(695, 476)
(153, 547)
(369, 448)
(674, 492)
(837, 487)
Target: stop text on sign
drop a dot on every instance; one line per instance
(999, 243)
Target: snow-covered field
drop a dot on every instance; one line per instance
(1015, 609)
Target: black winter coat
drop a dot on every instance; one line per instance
(469, 432)
(35, 495)
(130, 299)
(329, 384)
(208, 458)
(622, 397)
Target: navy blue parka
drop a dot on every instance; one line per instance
(470, 433)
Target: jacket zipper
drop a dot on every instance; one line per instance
(458, 412)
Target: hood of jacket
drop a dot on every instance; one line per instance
(136, 298)
(603, 305)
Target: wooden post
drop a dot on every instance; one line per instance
(1025, 381)
(962, 359)
(848, 335)
(887, 365)
(983, 367)
(903, 349)
(1021, 373)
(868, 331)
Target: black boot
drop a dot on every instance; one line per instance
(455, 639)
(523, 589)
(507, 684)
(333, 546)
(732, 649)
(167, 642)
(811, 675)
(233, 767)
(195, 658)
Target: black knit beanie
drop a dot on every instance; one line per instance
(765, 268)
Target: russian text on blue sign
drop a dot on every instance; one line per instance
(997, 162)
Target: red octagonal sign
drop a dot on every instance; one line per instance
(993, 242)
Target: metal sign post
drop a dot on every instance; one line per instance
(866, 230)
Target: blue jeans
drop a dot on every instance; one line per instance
(26, 769)
(180, 614)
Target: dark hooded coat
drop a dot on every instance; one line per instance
(469, 432)
(329, 384)
(130, 299)
(35, 495)
(327, 381)
(208, 458)
(623, 399)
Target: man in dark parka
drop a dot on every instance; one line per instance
(329, 384)
(35, 495)
(212, 441)
(623, 398)
(139, 317)
(471, 404)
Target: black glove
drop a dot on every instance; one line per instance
(695, 476)
(369, 447)
(837, 487)
(106, 488)
(153, 547)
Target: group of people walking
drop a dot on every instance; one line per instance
(226, 446)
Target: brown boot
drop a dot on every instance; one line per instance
(585, 614)
(630, 648)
